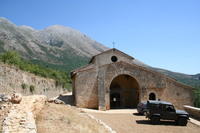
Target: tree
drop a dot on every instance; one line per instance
(11, 57)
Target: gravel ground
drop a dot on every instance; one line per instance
(4, 109)
(131, 122)
(55, 118)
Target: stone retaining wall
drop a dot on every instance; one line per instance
(13, 79)
(193, 111)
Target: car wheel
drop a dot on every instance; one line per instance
(182, 121)
(155, 120)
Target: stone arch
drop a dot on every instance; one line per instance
(124, 91)
(152, 96)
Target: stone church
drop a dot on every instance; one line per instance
(113, 80)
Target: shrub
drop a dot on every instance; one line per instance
(11, 57)
(32, 88)
(24, 86)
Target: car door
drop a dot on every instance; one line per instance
(168, 112)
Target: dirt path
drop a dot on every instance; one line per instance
(129, 122)
(55, 118)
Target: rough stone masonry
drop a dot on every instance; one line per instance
(14, 80)
(21, 118)
(113, 79)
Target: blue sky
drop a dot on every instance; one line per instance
(161, 33)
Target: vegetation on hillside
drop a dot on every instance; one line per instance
(1, 46)
(197, 97)
(13, 58)
(66, 61)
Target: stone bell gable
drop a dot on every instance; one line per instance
(110, 56)
(113, 80)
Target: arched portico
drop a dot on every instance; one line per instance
(124, 92)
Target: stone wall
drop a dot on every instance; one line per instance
(92, 86)
(165, 88)
(86, 92)
(105, 58)
(193, 112)
(178, 94)
(13, 79)
(21, 117)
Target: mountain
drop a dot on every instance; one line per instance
(63, 48)
(197, 76)
(56, 46)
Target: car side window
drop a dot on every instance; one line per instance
(169, 108)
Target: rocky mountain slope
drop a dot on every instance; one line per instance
(56, 46)
(63, 48)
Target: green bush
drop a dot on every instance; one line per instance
(32, 88)
(24, 86)
(10, 57)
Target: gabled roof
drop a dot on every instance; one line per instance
(114, 50)
(90, 66)
(84, 68)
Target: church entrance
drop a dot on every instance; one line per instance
(124, 92)
(115, 100)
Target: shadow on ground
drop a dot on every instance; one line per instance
(148, 122)
(138, 114)
(67, 99)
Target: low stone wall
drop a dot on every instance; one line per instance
(193, 111)
(21, 117)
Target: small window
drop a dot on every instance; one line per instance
(169, 108)
(152, 96)
(114, 59)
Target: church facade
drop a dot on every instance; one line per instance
(112, 79)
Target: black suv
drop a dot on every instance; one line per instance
(157, 110)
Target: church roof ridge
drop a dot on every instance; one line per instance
(112, 49)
